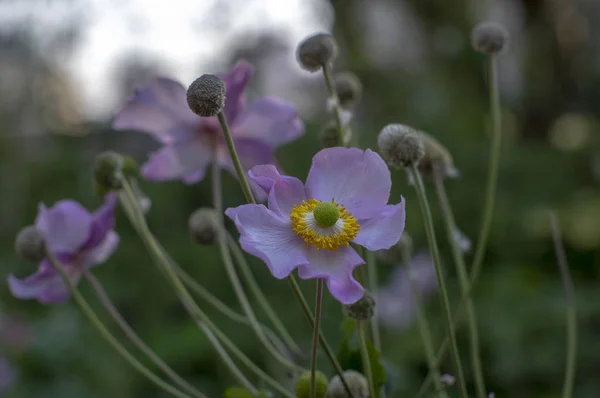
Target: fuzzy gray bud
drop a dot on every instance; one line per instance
(400, 146)
(202, 226)
(362, 310)
(107, 169)
(397, 253)
(359, 387)
(348, 88)
(315, 51)
(436, 158)
(29, 244)
(206, 95)
(489, 38)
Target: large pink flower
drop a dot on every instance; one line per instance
(78, 239)
(161, 110)
(310, 226)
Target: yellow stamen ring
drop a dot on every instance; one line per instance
(342, 232)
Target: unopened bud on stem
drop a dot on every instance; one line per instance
(29, 244)
(489, 38)
(362, 310)
(316, 51)
(107, 170)
(348, 88)
(400, 146)
(203, 226)
(302, 387)
(359, 387)
(206, 95)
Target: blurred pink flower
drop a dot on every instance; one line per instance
(8, 375)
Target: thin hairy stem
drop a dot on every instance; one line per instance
(366, 361)
(315, 339)
(93, 318)
(571, 313)
(430, 231)
(135, 338)
(373, 285)
(463, 278)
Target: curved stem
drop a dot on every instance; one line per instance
(463, 278)
(233, 277)
(366, 361)
(430, 231)
(235, 158)
(135, 339)
(372, 280)
(324, 344)
(423, 324)
(91, 315)
(337, 112)
(571, 316)
(315, 339)
(187, 300)
(259, 295)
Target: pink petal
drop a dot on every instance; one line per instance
(235, 84)
(269, 237)
(101, 252)
(284, 192)
(336, 267)
(360, 180)
(384, 229)
(181, 160)
(66, 226)
(159, 109)
(269, 120)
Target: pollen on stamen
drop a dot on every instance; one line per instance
(342, 232)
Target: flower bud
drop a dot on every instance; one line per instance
(329, 136)
(206, 95)
(362, 310)
(203, 226)
(396, 253)
(29, 244)
(107, 169)
(436, 158)
(130, 167)
(348, 88)
(316, 51)
(359, 387)
(489, 37)
(400, 145)
(303, 385)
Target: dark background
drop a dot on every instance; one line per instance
(417, 67)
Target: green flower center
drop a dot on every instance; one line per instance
(326, 214)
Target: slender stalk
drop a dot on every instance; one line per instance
(364, 353)
(240, 259)
(235, 158)
(91, 315)
(430, 231)
(373, 283)
(187, 300)
(463, 278)
(424, 327)
(315, 339)
(324, 344)
(492, 182)
(571, 315)
(135, 339)
(232, 274)
(337, 112)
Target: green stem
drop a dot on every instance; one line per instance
(461, 270)
(91, 315)
(315, 339)
(492, 182)
(233, 277)
(187, 300)
(571, 316)
(364, 353)
(373, 283)
(259, 295)
(324, 344)
(235, 158)
(430, 231)
(423, 324)
(337, 112)
(135, 338)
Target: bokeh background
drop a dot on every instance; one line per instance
(67, 66)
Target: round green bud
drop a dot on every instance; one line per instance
(107, 169)
(400, 146)
(130, 167)
(362, 310)
(202, 226)
(348, 88)
(302, 386)
(316, 51)
(359, 387)
(489, 38)
(326, 214)
(206, 95)
(29, 244)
